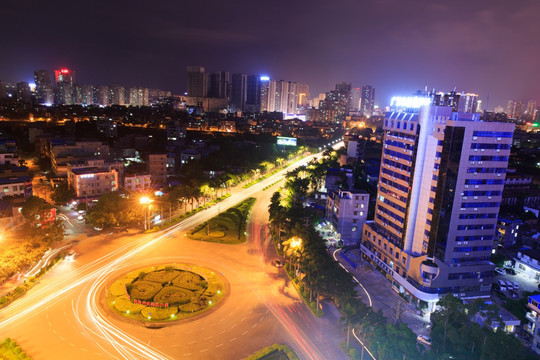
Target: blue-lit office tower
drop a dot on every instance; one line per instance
(238, 91)
(253, 93)
(439, 192)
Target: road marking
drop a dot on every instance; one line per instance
(234, 326)
(72, 344)
(244, 318)
(83, 349)
(254, 325)
(232, 339)
(193, 342)
(203, 350)
(208, 338)
(54, 331)
(261, 319)
(244, 333)
(219, 345)
(187, 354)
(62, 338)
(222, 332)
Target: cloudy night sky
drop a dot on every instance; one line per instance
(398, 46)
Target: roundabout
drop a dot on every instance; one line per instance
(166, 293)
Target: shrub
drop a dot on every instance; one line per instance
(117, 289)
(159, 313)
(173, 295)
(123, 304)
(188, 280)
(145, 290)
(191, 307)
(162, 276)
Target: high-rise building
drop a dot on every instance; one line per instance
(514, 109)
(63, 87)
(303, 94)
(253, 93)
(238, 91)
(368, 100)
(531, 108)
(103, 95)
(440, 187)
(356, 97)
(335, 106)
(196, 83)
(460, 102)
(268, 89)
(44, 87)
(118, 95)
(218, 85)
(23, 92)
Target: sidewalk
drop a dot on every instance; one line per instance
(382, 294)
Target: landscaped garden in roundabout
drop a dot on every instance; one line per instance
(166, 292)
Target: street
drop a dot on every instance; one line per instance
(64, 317)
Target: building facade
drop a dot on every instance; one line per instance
(347, 210)
(137, 182)
(157, 167)
(440, 186)
(92, 182)
(533, 322)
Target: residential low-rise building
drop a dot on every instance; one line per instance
(157, 167)
(92, 182)
(532, 328)
(347, 210)
(17, 186)
(9, 158)
(137, 182)
(527, 263)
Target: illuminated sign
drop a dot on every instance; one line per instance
(286, 141)
(265, 78)
(410, 101)
(64, 71)
(86, 176)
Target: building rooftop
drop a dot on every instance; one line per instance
(14, 179)
(532, 253)
(89, 170)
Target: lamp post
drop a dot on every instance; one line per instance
(145, 200)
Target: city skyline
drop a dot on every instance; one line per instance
(397, 55)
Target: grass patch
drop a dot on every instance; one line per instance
(274, 352)
(188, 291)
(186, 215)
(229, 227)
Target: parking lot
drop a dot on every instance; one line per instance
(526, 284)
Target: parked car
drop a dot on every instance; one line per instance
(514, 294)
(70, 255)
(500, 271)
(516, 285)
(424, 340)
(510, 271)
(277, 263)
(97, 228)
(502, 285)
(509, 285)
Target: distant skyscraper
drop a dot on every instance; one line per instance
(218, 85)
(459, 102)
(368, 100)
(439, 192)
(531, 108)
(118, 97)
(238, 91)
(23, 92)
(196, 81)
(103, 95)
(265, 93)
(356, 97)
(63, 87)
(44, 87)
(336, 103)
(303, 94)
(253, 93)
(514, 109)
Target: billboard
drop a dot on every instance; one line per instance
(286, 141)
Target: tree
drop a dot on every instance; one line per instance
(63, 193)
(114, 210)
(33, 209)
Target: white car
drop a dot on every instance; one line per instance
(500, 271)
(424, 340)
(515, 285)
(70, 256)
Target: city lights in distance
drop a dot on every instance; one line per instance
(409, 101)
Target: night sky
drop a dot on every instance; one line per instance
(398, 46)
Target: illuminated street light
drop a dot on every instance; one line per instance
(296, 242)
(145, 200)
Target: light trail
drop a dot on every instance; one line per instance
(127, 346)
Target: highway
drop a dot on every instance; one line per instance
(64, 317)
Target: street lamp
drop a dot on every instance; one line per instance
(145, 200)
